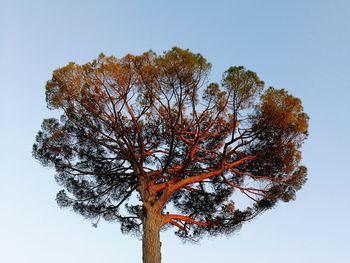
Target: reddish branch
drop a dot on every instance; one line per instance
(170, 188)
(174, 218)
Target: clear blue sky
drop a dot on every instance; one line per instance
(303, 46)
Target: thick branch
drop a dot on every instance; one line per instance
(193, 179)
(170, 217)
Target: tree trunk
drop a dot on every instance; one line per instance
(151, 237)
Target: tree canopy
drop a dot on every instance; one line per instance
(150, 132)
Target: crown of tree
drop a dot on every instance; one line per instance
(147, 141)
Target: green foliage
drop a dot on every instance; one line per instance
(150, 131)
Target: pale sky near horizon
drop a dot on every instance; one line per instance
(302, 46)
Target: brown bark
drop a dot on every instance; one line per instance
(151, 245)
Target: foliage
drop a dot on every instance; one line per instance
(151, 131)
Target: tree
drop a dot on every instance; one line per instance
(147, 141)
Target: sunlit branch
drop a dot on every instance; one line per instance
(168, 218)
(251, 190)
(171, 188)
